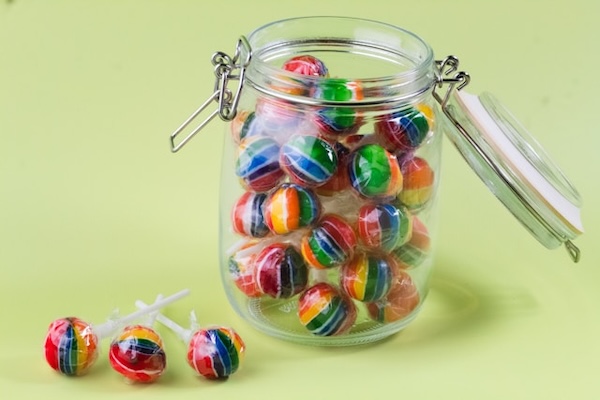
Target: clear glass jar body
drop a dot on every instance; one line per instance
(330, 177)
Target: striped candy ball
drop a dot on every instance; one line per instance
(402, 299)
(70, 346)
(244, 125)
(336, 121)
(374, 172)
(138, 354)
(384, 226)
(339, 181)
(306, 65)
(308, 160)
(257, 164)
(368, 276)
(280, 271)
(325, 311)
(416, 250)
(215, 353)
(329, 244)
(405, 130)
(418, 183)
(291, 207)
(247, 215)
(241, 269)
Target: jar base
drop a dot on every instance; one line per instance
(279, 319)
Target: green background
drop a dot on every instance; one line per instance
(95, 211)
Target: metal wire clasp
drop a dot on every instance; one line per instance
(226, 69)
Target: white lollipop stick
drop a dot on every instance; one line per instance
(110, 327)
(183, 333)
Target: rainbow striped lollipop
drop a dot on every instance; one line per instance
(384, 226)
(418, 247)
(325, 311)
(257, 163)
(368, 276)
(214, 353)
(280, 271)
(401, 300)
(374, 172)
(308, 160)
(138, 354)
(290, 207)
(407, 129)
(418, 183)
(329, 244)
(71, 344)
(247, 215)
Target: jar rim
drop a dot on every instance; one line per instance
(361, 38)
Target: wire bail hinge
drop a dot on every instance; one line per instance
(226, 69)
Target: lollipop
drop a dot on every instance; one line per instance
(336, 121)
(402, 299)
(308, 160)
(138, 352)
(244, 125)
(241, 270)
(368, 277)
(418, 183)
(247, 215)
(325, 311)
(405, 130)
(374, 172)
(280, 271)
(214, 353)
(258, 164)
(339, 180)
(329, 244)
(306, 65)
(71, 345)
(383, 226)
(290, 207)
(416, 250)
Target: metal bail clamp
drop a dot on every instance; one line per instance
(444, 77)
(226, 69)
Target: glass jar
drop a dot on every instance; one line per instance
(331, 170)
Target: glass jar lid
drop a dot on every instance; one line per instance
(513, 165)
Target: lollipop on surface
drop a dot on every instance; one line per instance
(71, 344)
(138, 352)
(214, 353)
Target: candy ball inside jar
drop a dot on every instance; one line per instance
(334, 121)
(241, 269)
(325, 311)
(330, 244)
(384, 226)
(401, 300)
(308, 160)
(138, 354)
(368, 276)
(216, 353)
(247, 215)
(374, 172)
(416, 250)
(306, 65)
(280, 271)
(290, 207)
(257, 164)
(405, 130)
(71, 347)
(418, 183)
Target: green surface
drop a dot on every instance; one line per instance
(96, 212)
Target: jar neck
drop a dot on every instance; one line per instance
(392, 66)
